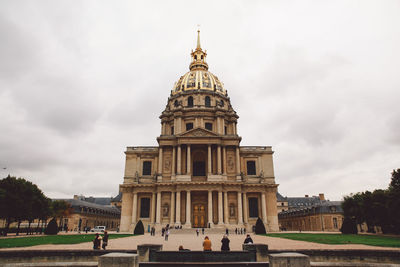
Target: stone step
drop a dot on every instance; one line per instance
(202, 264)
(51, 264)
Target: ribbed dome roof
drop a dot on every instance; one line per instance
(198, 78)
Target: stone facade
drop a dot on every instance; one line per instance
(199, 175)
(324, 216)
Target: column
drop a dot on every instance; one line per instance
(173, 160)
(224, 155)
(178, 208)
(240, 208)
(188, 208)
(158, 212)
(237, 161)
(188, 163)
(245, 208)
(220, 215)
(171, 219)
(153, 208)
(209, 160)
(134, 208)
(178, 167)
(210, 208)
(226, 208)
(160, 160)
(219, 159)
(263, 208)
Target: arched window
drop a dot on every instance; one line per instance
(208, 101)
(190, 101)
(222, 103)
(195, 57)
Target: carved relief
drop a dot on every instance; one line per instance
(231, 164)
(167, 164)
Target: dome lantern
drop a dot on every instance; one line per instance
(198, 57)
(198, 78)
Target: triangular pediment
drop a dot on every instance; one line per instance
(198, 132)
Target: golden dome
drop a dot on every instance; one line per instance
(198, 78)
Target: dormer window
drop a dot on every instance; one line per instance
(195, 57)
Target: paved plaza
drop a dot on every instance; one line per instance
(189, 239)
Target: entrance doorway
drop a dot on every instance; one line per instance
(199, 215)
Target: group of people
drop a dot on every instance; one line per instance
(165, 232)
(98, 239)
(240, 231)
(224, 243)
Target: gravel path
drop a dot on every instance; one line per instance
(193, 242)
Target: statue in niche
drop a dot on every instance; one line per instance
(167, 164)
(232, 210)
(136, 176)
(262, 174)
(231, 163)
(165, 210)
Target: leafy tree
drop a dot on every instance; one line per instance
(60, 209)
(20, 200)
(395, 181)
(260, 228)
(139, 229)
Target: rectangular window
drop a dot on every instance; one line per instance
(225, 130)
(189, 126)
(146, 167)
(253, 207)
(144, 207)
(251, 167)
(209, 126)
(172, 130)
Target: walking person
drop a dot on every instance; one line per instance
(225, 243)
(206, 244)
(166, 234)
(226, 231)
(202, 231)
(105, 240)
(197, 231)
(96, 241)
(162, 231)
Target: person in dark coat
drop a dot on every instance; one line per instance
(96, 241)
(225, 243)
(248, 240)
(105, 240)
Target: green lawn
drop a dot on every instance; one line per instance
(56, 239)
(337, 239)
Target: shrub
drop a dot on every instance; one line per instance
(139, 229)
(260, 228)
(349, 226)
(52, 228)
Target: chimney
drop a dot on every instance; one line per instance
(321, 196)
(76, 197)
(306, 196)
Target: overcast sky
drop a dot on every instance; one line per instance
(319, 81)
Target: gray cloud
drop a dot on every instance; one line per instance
(318, 81)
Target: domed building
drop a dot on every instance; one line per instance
(199, 175)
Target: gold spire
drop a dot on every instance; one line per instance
(198, 57)
(198, 40)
